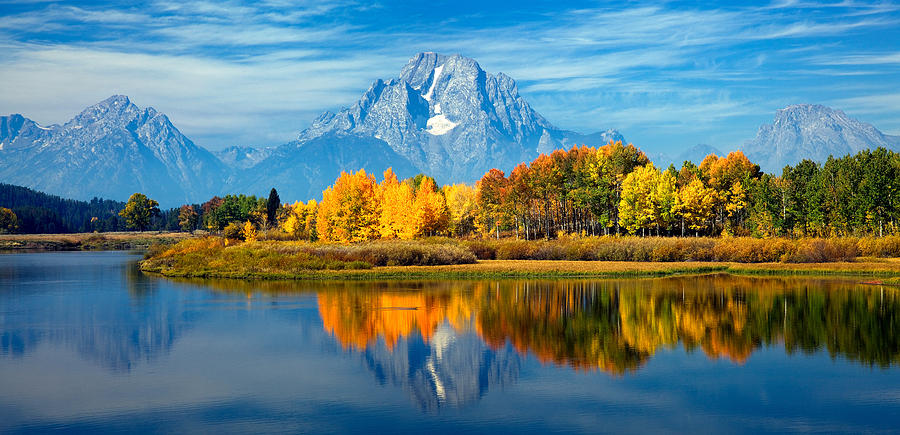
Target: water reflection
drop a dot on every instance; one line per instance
(617, 325)
(421, 338)
(441, 343)
(76, 300)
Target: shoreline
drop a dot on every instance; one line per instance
(886, 272)
(110, 241)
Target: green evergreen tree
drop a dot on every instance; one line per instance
(272, 206)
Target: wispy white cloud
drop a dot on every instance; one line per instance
(858, 59)
(218, 67)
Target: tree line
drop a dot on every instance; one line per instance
(607, 190)
(615, 189)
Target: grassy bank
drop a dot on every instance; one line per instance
(674, 249)
(88, 241)
(211, 257)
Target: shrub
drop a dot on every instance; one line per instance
(517, 250)
(888, 246)
(728, 249)
(394, 253)
(233, 231)
(483, 249)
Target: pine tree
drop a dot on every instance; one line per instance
(272, 206)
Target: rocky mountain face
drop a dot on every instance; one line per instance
(303, 171)
(17, 132)
(806, 131)
(444, 116)
(242, 157)
(111, 149)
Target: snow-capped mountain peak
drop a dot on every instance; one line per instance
(447, 117)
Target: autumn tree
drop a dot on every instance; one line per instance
(139, 210)
(349, 209)
(729, 176)
(396, 218)
(210, 217)
(695, 203)
(462, 207)
(491, 199)
(249, 231)
(432, 216)
(636, 206)
(620, 161)
(664, 199)
(187, 218)
(9, 222)
(299, 220)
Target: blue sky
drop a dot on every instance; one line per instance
(667, 75)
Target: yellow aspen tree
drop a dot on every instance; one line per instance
(736, 201)
(695, 202)
(663, 198)
(431, 213)
(636, 206)
(249, 231)
(349, 209)
(300, 220)
(310, 211)
(461, 204)
(396, 199)
(291, 223)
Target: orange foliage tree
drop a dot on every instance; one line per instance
(432, 216)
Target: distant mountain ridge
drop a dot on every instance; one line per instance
(812, 131)
(242, 157)
(111, 149)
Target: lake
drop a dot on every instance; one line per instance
(89, 343)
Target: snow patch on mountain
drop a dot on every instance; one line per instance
(439, 125)
(437, 76)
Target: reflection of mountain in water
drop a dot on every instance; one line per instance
(80, 301)
(420, 340)
(454, 368)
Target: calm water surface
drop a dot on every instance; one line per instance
(89, 343)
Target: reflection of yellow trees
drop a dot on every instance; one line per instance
(617, 325)
(357, 318)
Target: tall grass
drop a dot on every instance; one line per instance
(212, 256)
(669, 249)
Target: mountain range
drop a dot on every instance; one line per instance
(812, 131)
(444, 116)
(111, 149)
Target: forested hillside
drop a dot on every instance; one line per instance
(39, 212)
